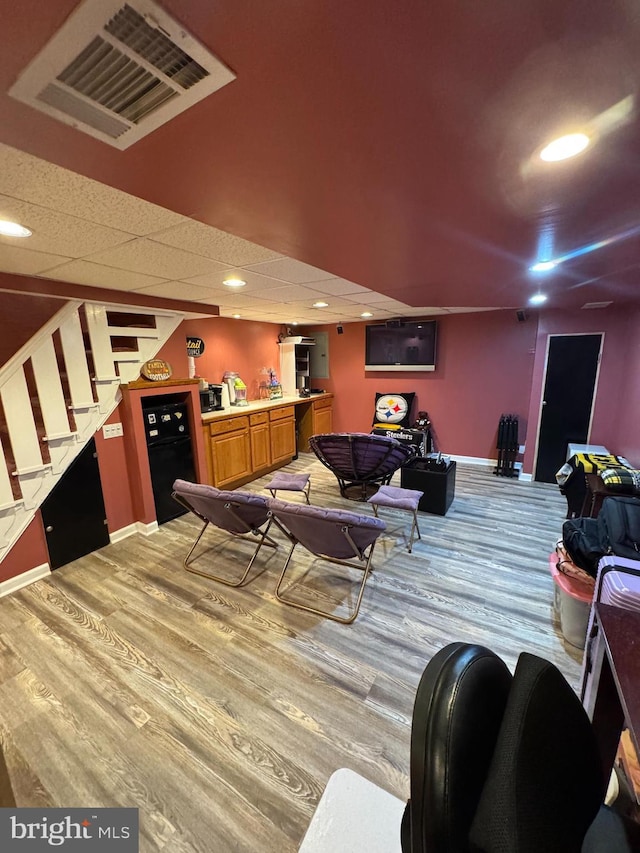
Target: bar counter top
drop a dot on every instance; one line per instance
(262, 405)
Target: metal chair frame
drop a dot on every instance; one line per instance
(365, 556)
(264, 539)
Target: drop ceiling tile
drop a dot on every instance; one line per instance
(97, 275)
(23, 176)
(256, 316)
(26, 262)
(295, 293)
(255, 283)
(380, 299)
(151, 258)
(339, 287)
(237, 300)
(58, 233)
(212, 243)
(176, 290)
(290, 270)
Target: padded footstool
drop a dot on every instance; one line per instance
(290, 483)
(397, 498)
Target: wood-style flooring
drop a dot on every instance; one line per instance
(221, 713)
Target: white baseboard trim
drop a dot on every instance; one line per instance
(130, 529)
(491, 463)
(472, 460)
(24, 579)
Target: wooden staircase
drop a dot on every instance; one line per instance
(58, 390)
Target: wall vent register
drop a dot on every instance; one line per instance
(119, 70)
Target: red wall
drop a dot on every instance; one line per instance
(484, 367)
(114, 475)
(628, 413)
(22, 316)
(28, 552)
(239, 345)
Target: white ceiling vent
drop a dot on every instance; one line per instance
(119, 70)
(596, 304)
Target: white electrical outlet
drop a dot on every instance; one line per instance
(112, 430)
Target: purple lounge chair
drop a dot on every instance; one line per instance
(338, 536)
(238, 513)
(361, 462)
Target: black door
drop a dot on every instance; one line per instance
(73, 515)
(572, 366)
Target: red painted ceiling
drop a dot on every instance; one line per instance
(390, 143)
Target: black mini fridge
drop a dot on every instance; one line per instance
(166, 425)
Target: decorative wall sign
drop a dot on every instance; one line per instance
(156, 370)
(195, 346)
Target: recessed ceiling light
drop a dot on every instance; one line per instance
(543, 266)
(294, 323)
(537, 299)
(320, 304)
(564, 147)
(13, 229)
(234, 282)
(236, 316)
(366, 314)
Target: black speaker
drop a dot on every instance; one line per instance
(339, 330)
(521, 315)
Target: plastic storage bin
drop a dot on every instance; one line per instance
(572, 604)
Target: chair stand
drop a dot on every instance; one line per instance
(264, 539)
(366, 569)
(290, 483)
(397, 498)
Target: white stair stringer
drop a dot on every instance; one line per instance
(59, 389)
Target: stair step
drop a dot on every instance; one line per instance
(133, 332)
(34, 469)
(13, 505)
(78, 407)
(59, 435)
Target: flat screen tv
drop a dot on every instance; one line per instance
(401, 345)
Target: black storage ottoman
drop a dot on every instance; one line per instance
(438, 485)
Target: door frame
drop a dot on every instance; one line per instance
(544, 385)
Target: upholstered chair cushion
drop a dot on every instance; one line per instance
(545, 784)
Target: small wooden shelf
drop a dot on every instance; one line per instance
(164, 383)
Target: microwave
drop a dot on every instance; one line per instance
(211, 399)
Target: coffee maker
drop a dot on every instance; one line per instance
(211, 399)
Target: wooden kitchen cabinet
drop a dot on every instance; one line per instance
(322, 416)
(230, 451)
(242, 447)
(314, 418)
(260, 437)
(282, 424)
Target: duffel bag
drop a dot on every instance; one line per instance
(584, 543)
(619, 519)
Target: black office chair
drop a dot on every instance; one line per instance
(504, 765)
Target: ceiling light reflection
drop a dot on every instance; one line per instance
(564, 147)
(13, 229)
